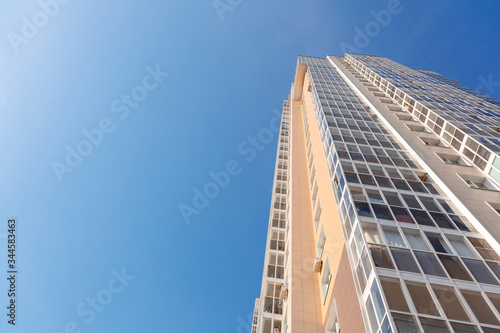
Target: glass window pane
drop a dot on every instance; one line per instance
(411, 201)
(422, 217)
(351, 177)
(495, 267)
(371, 314)
(429, 203)
(462, 223)
(479, 242)
(480, 271)
(380, 256)
(383, 182)
(394, 295)
(495, 299)
(371, 234)
(393, 237)
(488, 254)
(357, 193)
(418, 187)
(450, 302)
(422, 298)
(464, 328)
(442, 220)
(393, 173)
(400, 184)
(408, 174)
(401, 214)
(377, 170)
(405, 323)
(415, 239)
(392, 198)
(404, 260)
(490, 330)
(438, 243)
(433, 325)
(480, 308)
(367, 179)
(374, 196)
(382, 212)
(377, 302)
(447, 206)
(430, 265)
(454, 267)
(461, 247)
(363, 209)
(362, 168)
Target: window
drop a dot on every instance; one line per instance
(374, 196)
(393, 237)
(430, 265)
(371, 233)
(495, 206)
(405, 323)
(332, 325)
(495, 267)
(464, 328)
(484, 248)
(438, 243)
(404, 260)
(422, 217)
(442, 220)
(433, 142)
(318, 215)
(325, 279)
(478, 182)
(433, 325)
(321, 241)
(315, 193)
(382, 212)
(452, 159)
(480, 308)
(454, 267)
(415, 239)
(460, 246)
(417, 128)
(480, 271)
(421, 298)
(380, 256)
(429, 203)
(392, 198)
(401, 214)
(363, 209)
(401, 184)
(450, 303)
(351, 177)
(357, 193)
(394, 295)
(417, 186)
(367, 179)
(383, 182)
(495, 299)
(411, 201)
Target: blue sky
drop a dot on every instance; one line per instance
(117, 212)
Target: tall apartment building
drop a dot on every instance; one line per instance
(385, 214)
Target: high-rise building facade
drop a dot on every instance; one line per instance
(385, 213)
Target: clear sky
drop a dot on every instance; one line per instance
(157, 95)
